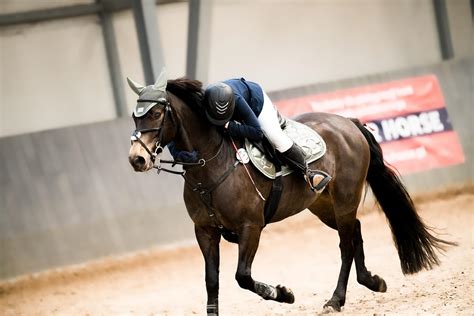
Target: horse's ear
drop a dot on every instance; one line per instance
(162, 80)
(137, 88)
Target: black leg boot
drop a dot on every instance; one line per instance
(295, 158)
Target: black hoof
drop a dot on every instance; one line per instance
(374, 283)
(382, 285)
(285, 295)
(333, 305)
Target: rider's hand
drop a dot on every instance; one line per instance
(186, 156)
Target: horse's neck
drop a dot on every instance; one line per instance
(197, 134)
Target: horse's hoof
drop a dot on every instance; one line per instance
(332, 306)
(328, 310)
(382, 285)
(285, 295)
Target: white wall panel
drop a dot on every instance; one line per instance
(53, 74)
(462, 29)
(61, 67)
(172, 26)
(292, 43)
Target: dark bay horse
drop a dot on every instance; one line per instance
(353, 158)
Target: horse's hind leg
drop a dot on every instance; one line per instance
(249, 237)
(336, 216)
(345, 228)
(364, 277)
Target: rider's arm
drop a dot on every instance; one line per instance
(182, 155)
(173, 150)
(250, 127)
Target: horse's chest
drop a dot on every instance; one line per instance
(229, 210)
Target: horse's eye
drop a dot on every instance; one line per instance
(157, 115)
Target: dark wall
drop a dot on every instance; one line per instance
(69, 195)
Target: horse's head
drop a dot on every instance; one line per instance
(165, 111)
(154, 123)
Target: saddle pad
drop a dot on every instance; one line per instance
(311, 142)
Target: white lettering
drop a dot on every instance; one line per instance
(392, 94)
(412, 125)
(389, 130)
(436, 121)
(425, 123)
(415, 125)
(374, 129)
(417, 153)
(403, 127)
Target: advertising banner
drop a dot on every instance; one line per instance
(407, 117)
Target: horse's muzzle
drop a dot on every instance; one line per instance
(139, 163)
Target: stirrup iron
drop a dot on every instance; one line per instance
(310, 175)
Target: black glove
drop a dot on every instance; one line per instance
(187, 156)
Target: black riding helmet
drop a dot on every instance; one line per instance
(219, 103)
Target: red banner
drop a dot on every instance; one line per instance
(407, 117)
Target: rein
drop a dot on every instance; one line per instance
(247, 170)
(201, 162)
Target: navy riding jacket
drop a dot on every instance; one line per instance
(248, 106)
(244, 123)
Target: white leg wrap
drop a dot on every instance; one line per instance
(212, 310)
(266, 291)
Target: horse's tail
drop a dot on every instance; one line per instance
(413, 239)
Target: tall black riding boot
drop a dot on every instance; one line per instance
(295, 158)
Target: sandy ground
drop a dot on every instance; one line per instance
(300, 253)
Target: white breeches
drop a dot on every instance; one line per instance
(268, 120)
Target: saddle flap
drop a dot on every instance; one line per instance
(308, 139)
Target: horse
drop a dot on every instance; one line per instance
(220, 197)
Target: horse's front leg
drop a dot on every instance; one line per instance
(249, 237)
(208, 239)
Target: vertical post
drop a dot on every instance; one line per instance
(442, 24)
(144, 12)
(199, 39)
(113, 62)
(472, 9)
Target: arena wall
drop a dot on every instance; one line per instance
(54, 74)
(69, 195)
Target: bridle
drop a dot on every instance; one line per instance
(159, 148)
(138, 133)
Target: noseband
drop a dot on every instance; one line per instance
(138, 133)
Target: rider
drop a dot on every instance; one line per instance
(245, 111)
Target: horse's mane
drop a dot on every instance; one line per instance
(188, 90)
